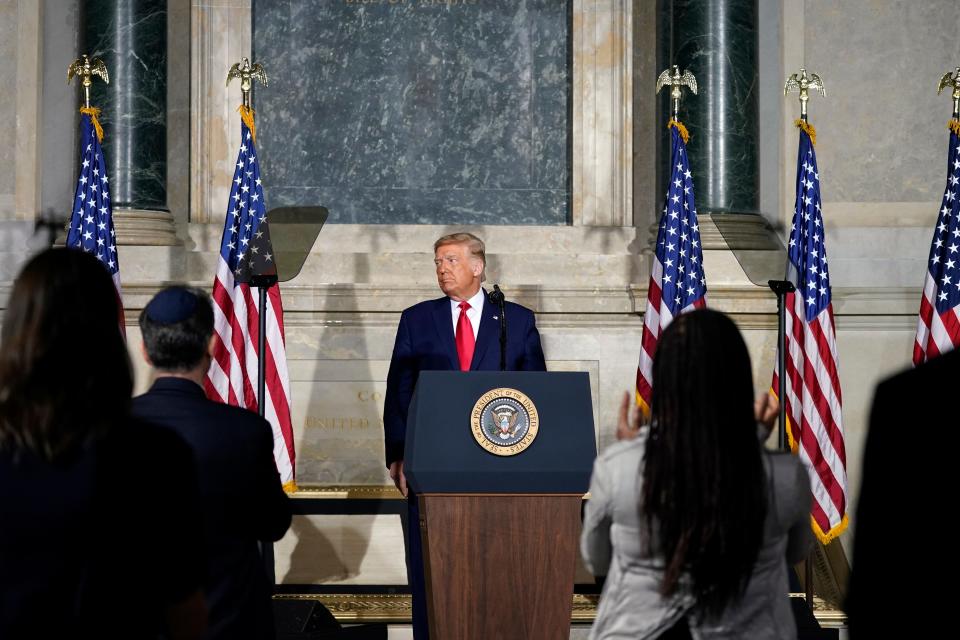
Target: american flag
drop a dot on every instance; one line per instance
(938, 329)
(91, 223)
(245, 250)
(677, 280)
(813, 403)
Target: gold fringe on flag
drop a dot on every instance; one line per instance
(823, 536)
(644, 407)
(289, 487)
(94, 114)
(246, 114)
(954, 126)
(680, 128)
(806, 126)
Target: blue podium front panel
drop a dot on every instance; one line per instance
(465, 436)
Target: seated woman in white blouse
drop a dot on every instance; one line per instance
(692, 521)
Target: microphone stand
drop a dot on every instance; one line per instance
(498, 298)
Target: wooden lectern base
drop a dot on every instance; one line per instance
(499, 566)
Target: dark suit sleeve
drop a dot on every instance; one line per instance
(533, 359)
(271, 510)
(401, 380)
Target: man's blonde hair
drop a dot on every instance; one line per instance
(474, 245)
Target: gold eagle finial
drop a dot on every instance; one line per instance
(803, 83)
(86, 68)
(247, 74)
(676, 81)
(952, 80)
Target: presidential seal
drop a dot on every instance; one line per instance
(504, 421)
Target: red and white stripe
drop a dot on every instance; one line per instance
(937, 333)
(232, 377)
(813, 408)
(655, 320)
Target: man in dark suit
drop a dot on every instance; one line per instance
(458, 332)
(242, 499)
(903, 546)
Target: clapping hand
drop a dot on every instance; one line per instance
(628, 423)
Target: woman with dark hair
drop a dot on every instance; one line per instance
(98, 512)
(692, 521)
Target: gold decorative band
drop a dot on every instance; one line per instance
(396, 609)
(348, 491)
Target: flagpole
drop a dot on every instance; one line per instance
(247, 74)
(952, 80)
(802, 83)
(84, 68)
(676, 80)
(262, 282)
(673, 259)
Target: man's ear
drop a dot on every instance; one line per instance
(211, 344)
(146, 356)
(478, 267)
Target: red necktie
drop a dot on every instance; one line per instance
(465, 339)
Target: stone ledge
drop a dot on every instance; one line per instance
(734, 231)
(143, 227)
(323, 303)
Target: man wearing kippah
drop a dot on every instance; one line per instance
(458, 332)
(242, 499)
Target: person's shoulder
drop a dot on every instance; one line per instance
(142, 435)
(425, 306)
(239, 417)
(941, 370)
(518, 309)
(144, 399)
(147, 405)
(625, 449)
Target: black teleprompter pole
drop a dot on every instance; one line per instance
(263, 284)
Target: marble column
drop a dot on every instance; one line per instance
(602, 113)
(130, 36)
(717, 41)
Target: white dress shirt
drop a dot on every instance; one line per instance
(473, 313)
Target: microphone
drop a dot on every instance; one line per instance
(498, 299)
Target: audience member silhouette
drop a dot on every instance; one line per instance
(100, 533)
(901, 549)
(692, 521)
(240, 490)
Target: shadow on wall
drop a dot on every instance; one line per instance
(340, 439)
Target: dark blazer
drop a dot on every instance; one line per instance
(98, 544)
(425, 342)
(242, 499)
(902, 544)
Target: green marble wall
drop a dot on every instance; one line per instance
(717, 41)
(131, 38)
(417, 111)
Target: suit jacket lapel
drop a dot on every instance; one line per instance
(443, 320)
(488, 333)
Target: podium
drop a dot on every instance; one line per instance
(500, 461)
